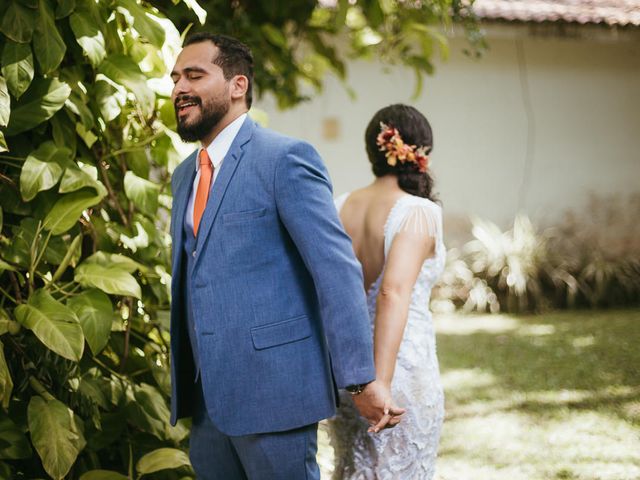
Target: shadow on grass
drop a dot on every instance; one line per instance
(545, 363)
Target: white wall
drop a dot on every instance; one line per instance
(583, 127)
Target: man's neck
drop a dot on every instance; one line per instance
(221, 125)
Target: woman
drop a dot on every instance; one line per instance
(396, 229)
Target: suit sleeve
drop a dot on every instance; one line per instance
(305, 206)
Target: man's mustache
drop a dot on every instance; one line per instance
(187, 98)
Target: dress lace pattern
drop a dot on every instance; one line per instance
(408, 451)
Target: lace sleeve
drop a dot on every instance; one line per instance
(417, 218)
(421, 220)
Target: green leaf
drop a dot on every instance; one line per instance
(55, 434)
(95, 312)
(124, 71)
(115, 260)
(143, 193)
(17, 444)
(67, 210)
(102, 475)
(47, 42)
(3, 143)
(75, 179)
(109, 100)
(17, 67)
(17, 23)
(91, 388)
(5, 103)
(6, 383)
(200, 12)
(64, 8)
(63, 131)
(54, 324)
(89, 37)
(161, 459)
(42, 169)
(109, 279)
(144, 24)
(87, 135)
(39, 103)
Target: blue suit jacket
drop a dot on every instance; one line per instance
(277, 293)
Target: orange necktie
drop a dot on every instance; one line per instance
(202, 193)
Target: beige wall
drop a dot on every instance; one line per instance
(582, 131)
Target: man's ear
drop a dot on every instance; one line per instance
(239, 86)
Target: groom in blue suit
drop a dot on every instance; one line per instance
(268, 317)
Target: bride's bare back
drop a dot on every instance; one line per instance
(364, 215)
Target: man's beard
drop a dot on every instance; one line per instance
(210, 115)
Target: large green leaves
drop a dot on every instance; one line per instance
(111, 276)
(124, 71)
(17, 22)
(103, 475)
(5, 103)
(67, 209)
(56, 325)
(6, 383)
(42, 169)
(17, 67)
(143, 23)
(95, 312)
(161, 459)
(56, 435)
(39, 103)
(89, 37)
(14, 443)
(143, 193)
(47, 42)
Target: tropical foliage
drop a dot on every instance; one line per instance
(589, 260)
(86, 151)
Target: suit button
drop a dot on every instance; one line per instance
(193, 254)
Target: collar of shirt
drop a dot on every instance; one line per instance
(221, 144)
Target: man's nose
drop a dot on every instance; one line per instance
(180, 87)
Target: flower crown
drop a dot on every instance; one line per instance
(390, 141)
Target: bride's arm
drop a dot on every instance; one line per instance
(409, 249)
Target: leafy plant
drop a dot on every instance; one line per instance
(590, 260)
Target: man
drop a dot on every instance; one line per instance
(268, 314)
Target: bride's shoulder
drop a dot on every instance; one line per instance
(413, 202)
(340, 199)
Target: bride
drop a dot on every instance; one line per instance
(396, 229)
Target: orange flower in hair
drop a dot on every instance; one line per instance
(390, 141)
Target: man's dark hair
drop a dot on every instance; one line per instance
(234, 57)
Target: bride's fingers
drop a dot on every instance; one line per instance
(396, 411)
(381, 424)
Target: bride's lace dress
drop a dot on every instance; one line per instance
(407, 451)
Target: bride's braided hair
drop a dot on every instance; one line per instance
(414, 129)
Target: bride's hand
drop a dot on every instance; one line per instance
(376, 405)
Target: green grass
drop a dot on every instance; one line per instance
(554, 396)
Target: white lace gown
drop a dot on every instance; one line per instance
(407, 451)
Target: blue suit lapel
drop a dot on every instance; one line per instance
(180, 200)
(228, 168)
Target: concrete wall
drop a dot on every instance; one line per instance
(537, 124)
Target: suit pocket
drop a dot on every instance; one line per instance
(280, 333)
(237, 217)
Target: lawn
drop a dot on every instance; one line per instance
(554, 396)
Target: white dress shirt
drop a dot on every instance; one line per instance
(217, 151)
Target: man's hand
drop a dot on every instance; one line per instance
(376, 405)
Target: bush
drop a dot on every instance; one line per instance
(590, 260)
